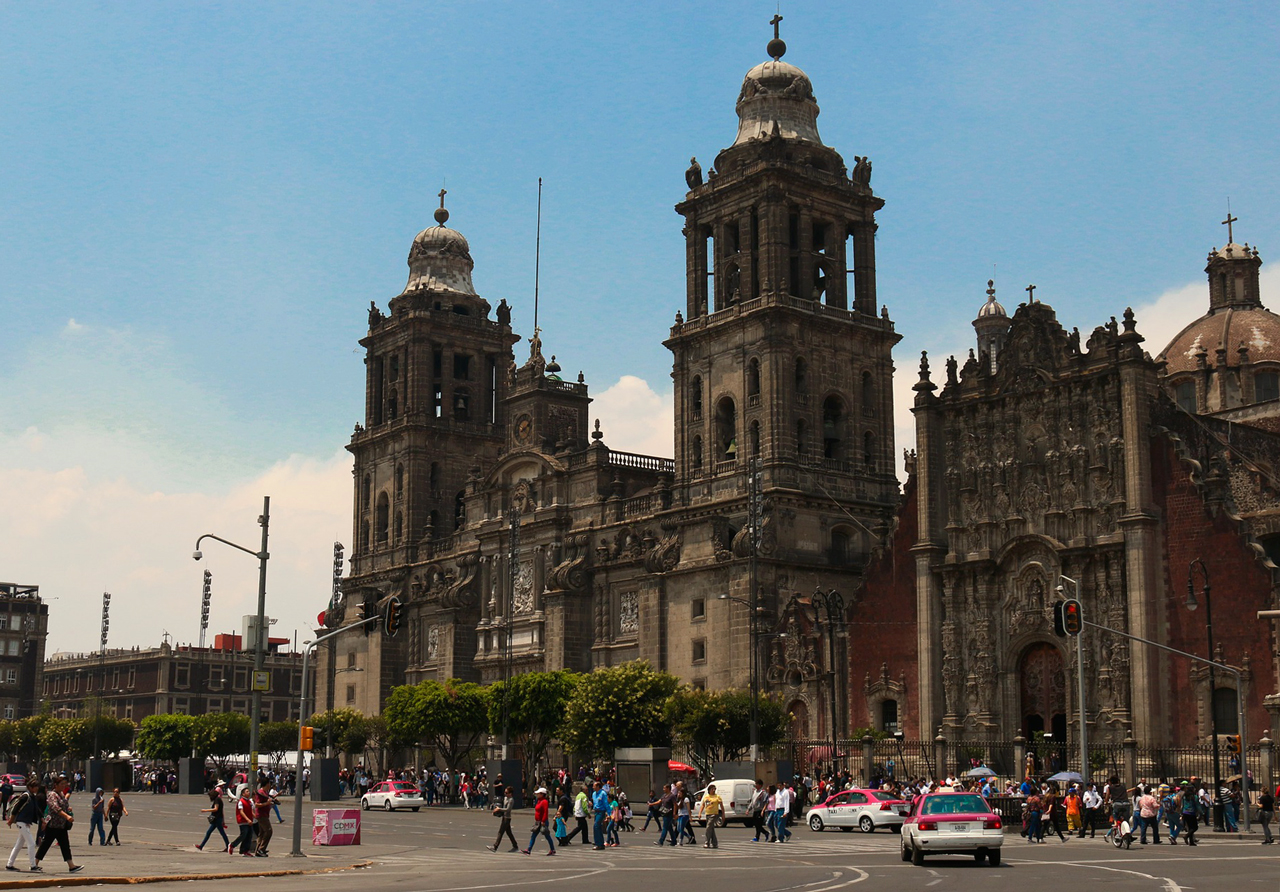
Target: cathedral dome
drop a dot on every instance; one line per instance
(777, 97)
(1257, 328)
(440, 259)
(991, 308)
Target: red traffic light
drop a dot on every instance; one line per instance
(1072, 617)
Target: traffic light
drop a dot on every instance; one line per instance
(1233, 744)
(1059, 624)
(308, 738)
(391, 617)
(1072, 617)
(362, 613)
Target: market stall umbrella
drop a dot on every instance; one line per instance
(673, 765)
(980, 771)
(1073, 777)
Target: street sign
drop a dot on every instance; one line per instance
(262, 680)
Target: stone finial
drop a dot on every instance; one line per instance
(924, 385)
(597, 434)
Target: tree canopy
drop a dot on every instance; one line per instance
(535, 705)
(166, 737)
(718, 723)
(620, 706)
(451, 717)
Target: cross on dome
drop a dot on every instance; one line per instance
(442, 214)
(1227, 223)
(776, 48)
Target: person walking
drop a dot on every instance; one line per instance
(216, 819)
(97, 811)
(782, 811)
(667, 808)
(60, 821)
(1149, 814)
(1189, 807)
(711, 807)
(684, 815)
(1092, 802)
(755, 809)
(245, 822)
(6, 794)
(24, 816)
(1266, 811)
(600, 811)
(503, 811)
(262, 802)
(541, 813)
(652, 813)
(116, 811)
(581, 809)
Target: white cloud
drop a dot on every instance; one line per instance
(77, 534)
(636, 418)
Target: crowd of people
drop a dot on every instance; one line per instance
(42, 816)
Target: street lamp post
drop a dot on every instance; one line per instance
(1213, 706)
(754, 634)
(832, 603)
(753, 515)
(259, 649)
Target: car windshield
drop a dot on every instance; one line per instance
(964, 804)
(886, 797)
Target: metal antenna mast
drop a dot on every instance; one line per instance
(537, 260)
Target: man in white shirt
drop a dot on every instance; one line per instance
(1092, 802)
(782, 806)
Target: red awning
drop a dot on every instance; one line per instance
(673, 765)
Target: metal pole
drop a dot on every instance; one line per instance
(259, 646)
(1213, 686)
(753, 628)
(509, 609)
(1084, 721)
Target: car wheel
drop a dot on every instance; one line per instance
(993, 857)
(866, 825)
(815, 823)
(906, 853)
(979, 857)
(917, 856)
(416, 807)
(364, 803)
(387, 805)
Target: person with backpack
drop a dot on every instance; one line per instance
(24, 816)
(60, 819)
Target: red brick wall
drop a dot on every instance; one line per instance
(883, 623)
(1240, 586)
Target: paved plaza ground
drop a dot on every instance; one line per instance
(443, 849)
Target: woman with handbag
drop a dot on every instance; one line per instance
(216, 821)
(59, 821)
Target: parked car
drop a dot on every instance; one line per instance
(736, 794)
(392, 795)
(864, 809)
(17, 781)
(952, 824)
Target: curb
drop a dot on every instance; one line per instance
(81, 880)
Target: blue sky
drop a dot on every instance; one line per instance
(202, 199)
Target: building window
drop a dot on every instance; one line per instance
(241, 678)
(295, 682)
(183, 679)
(1184, 394)
(4, 621)
(75, 685)
(128, 710)
(1266, 386)
(889, 715)
(695, 398)
(399, 481)
(383, 518)
(832, 427)
(181, 706)
(700, 650)
(217, 676)
(699, 684)
(15, 647)
(753, 377)
(215, 704)
(9, 711)
(11, 676)
(351, 693)
(115, 678)
(697, 455)
(1224, 710)
(239, 704)
(699, 608)
(461, 367)
(726, 430)
(802, 376)
(868, 394)
(841, 551)
(132, 676)
(351, 659)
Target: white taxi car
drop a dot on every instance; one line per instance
(392, 795)
(952, 824)
(864, 809)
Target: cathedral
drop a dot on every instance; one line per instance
(778, 546)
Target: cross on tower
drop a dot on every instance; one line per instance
(774, 21)
(1227, 223)
(443, 193)
(1031, 294)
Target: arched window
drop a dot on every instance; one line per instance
(392, 405)
(1184, 394)
(755, 439)
(832, 427)
(364, 535)
(697, 455)
(365, 490)
(889, 715)
(753, 377)
(459, 511)
(802, 376)
(1266, 386)
(726, 430)
(841, 547)
(695, 397)
(868, 394)
(399, 530)
(461, 406)
(435, 477)
(869, 449)
(399, 481)
(802, 439)
(383, 519)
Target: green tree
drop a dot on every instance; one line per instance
(718, 723)
(354, 737)
(620, 706)
(220, 735)
(277, 738)
(381, 742)
(8, 737)
(451, 717)
(165, 737)
(334, 725)
(535, 704)
(115, 734)
(26, 738)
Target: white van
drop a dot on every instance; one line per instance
(736, 794)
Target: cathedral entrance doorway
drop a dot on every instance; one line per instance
(1044, 691)
(799, 719)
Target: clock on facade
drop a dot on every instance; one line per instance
(524, 429)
